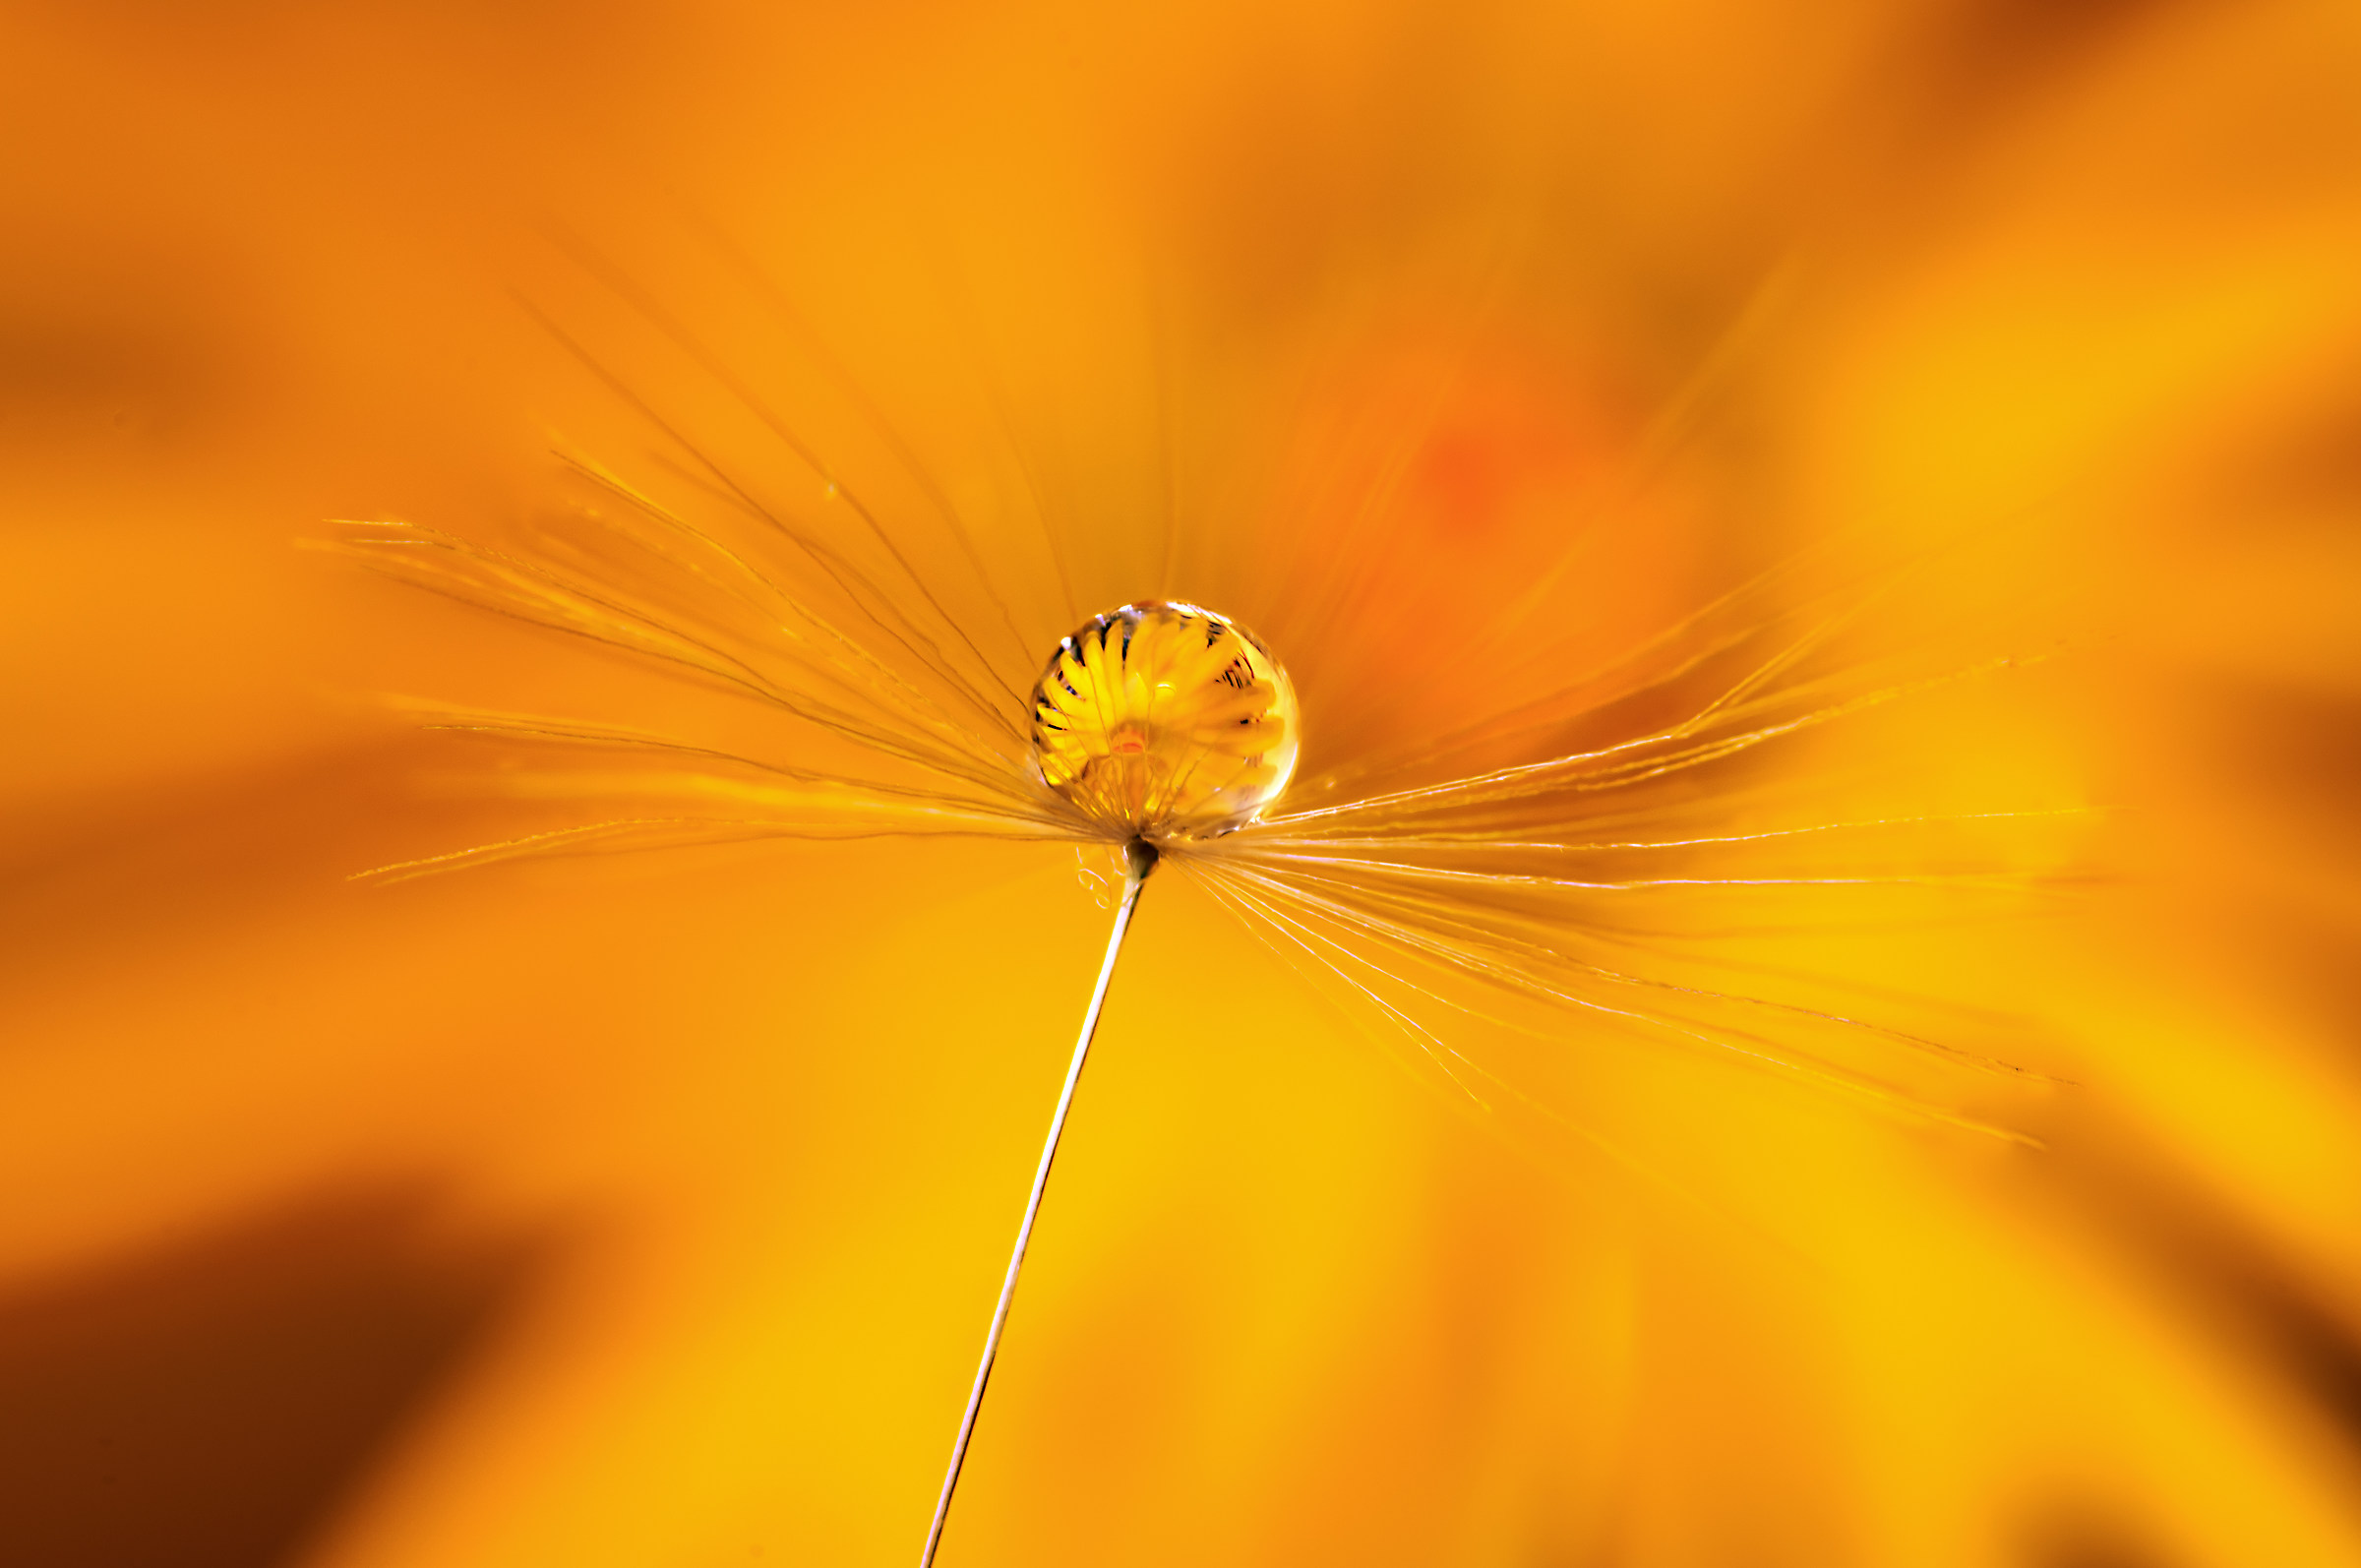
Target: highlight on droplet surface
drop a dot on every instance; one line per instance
(1162, 720)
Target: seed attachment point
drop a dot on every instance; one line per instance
(1139, 858)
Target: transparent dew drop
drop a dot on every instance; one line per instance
(1161, 720)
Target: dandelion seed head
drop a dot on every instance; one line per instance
(1161, 719)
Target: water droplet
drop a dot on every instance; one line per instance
(1161, 720)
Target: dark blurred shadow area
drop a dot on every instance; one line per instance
(210, 1403)
(2076, 1534)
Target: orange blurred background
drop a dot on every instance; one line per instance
(648, 1210)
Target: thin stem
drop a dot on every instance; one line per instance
(1024, 1231)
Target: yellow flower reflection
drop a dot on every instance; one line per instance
(1163, 718)
(1965, 388)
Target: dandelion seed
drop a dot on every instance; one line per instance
(1551, 840)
